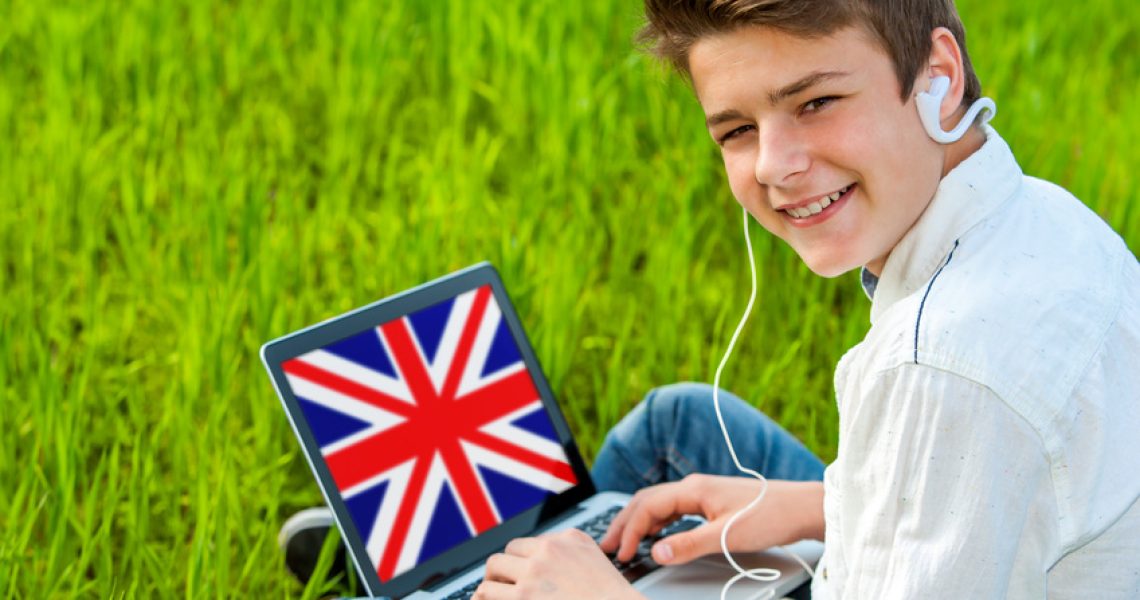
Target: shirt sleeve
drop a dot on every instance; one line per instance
(940, 491)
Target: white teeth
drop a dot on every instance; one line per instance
(835, 195)
(816, 207)
(802, 212)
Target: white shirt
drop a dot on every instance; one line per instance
(989, 423)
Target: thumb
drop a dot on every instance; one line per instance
(688, 545)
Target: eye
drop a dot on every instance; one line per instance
(817, 104)
(731, 134)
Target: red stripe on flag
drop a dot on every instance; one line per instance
(408, 360)
(472, 497)
(466, 340)
(495, 401)
(299, 368)
(403, 521)
(375, 454)
(555, 467)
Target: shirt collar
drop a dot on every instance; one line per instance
(966, 195)
(869, 281)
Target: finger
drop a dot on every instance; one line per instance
(611, 541)
(524, 546)
(669, 502)
(612, 538)
(504, 568)
(494, 590)
(686, 546)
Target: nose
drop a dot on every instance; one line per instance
(780, 156)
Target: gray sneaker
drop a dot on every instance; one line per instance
(301, 538)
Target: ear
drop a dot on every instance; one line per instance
(946, 60)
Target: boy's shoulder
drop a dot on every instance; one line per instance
(1021, 306)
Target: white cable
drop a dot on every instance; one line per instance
(760, 574)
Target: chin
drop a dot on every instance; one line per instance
(828, 266)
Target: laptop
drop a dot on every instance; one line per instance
(435, 439)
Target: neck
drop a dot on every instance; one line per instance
(960, 150)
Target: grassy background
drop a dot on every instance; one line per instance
(181, 181)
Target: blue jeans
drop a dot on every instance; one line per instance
(674, 432)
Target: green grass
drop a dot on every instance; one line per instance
(182, 181)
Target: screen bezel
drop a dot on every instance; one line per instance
(444, 565)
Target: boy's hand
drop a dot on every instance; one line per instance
(567, 564)
(789, 512)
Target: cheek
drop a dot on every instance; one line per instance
(742, 182)
(908, 169)
(886, 145)
(860, 138)
(738, 181)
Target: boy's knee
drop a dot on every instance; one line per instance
(683, 392)
(663, 410)
(667, 408)
(679, 404)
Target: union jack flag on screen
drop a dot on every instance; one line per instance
(431, 427)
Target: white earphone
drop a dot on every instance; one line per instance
(930, 103)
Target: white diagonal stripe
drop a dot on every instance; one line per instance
(425, 509)
(360, 374)
(513, 468)
(449, 341)
(386, 517)
(316, 393)
(503, 428)
(483, 338)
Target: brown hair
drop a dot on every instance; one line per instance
(902, 27)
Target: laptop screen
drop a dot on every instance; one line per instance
(432, 428)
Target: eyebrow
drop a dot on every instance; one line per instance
(783, 93)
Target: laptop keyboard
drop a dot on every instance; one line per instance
(637, 567)
(465, 593)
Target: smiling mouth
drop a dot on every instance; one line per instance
(816, 207)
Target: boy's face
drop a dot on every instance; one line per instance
(816, 126)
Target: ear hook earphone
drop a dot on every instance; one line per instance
(930, 103)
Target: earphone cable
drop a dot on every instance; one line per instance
(760, 574)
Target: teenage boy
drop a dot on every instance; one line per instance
(989, 421)
(988, 443)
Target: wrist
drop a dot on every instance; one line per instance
(812, 523)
